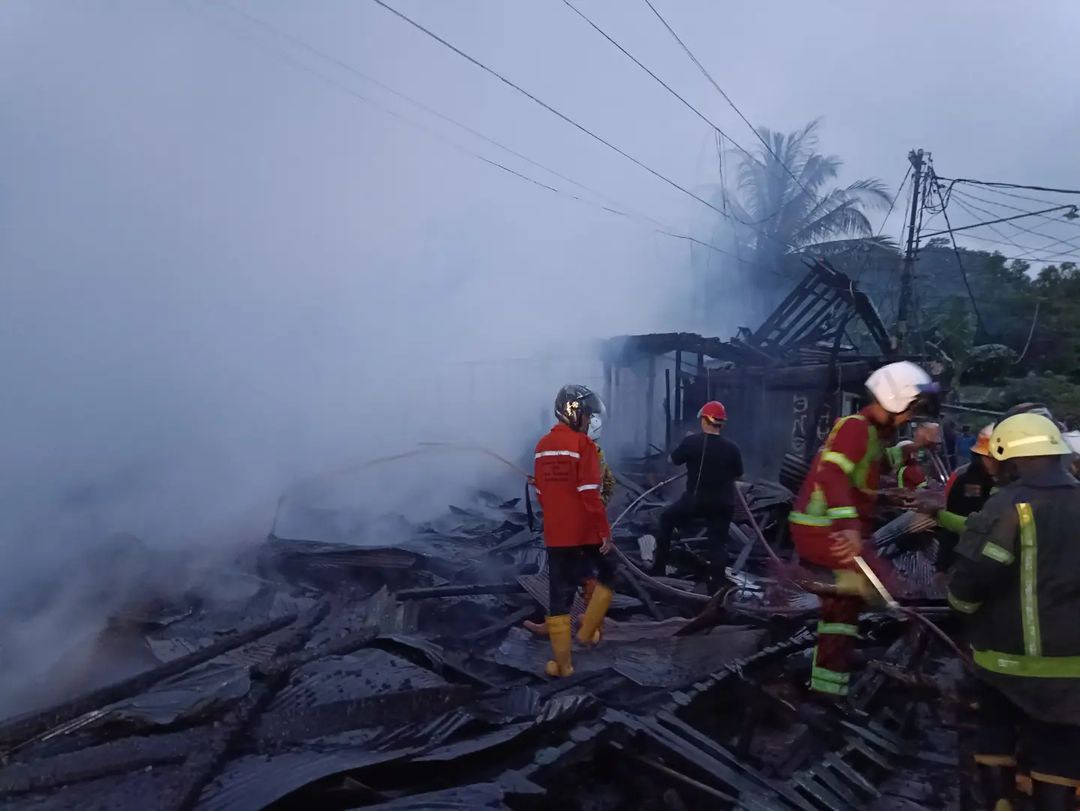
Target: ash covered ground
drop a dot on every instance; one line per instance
(397, 674)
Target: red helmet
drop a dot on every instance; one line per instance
(713, 411)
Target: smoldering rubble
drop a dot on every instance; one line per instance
(400, 676)
(391, 668)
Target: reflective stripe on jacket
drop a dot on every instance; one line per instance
(841, 489)
(1018, 577)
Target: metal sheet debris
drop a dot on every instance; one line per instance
(390, 670)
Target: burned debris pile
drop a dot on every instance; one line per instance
(400, 670)
(401, 676)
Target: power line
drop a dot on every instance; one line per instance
(998, 203)
(892, 203)
(1006, 241)
(1051, 259)
(727, 98)
(554, 111)
(1011, 185)
(1054, 240)
(676, 94)
(430, 110)
(661, 229)
(956, 253)
(662, 83)
(1014, 195)
(1009, 219)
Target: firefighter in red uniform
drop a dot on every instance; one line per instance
(568, 478)
(607, 490)
(908, 457)
(834, 511)
(903, 458)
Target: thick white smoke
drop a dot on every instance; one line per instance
(222, 276)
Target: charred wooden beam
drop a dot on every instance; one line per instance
(204, 764)
(21, 730)
(459, 591)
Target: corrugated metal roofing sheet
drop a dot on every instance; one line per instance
(480, 796)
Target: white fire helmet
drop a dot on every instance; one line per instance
(896, 386)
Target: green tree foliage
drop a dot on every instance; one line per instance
(1030, 339)
(1056, 338)
(1008, 293)
(1060, 393)
(780, 215)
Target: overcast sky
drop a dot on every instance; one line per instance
(219, 268)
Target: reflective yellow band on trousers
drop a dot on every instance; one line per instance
(963, 606)
(809, 520)
(838, 628)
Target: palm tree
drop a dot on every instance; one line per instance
(777, 215)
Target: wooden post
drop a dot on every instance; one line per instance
(667, 409)
(650, 394)
(678, 387)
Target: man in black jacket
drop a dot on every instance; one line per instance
(713, 464)
(1018, 577)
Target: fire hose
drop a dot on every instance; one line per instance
(890, 602)
(875, 581)
(681, 594)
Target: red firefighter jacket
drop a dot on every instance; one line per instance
(568, 479)
(840, 492)
(907, 463)
(911, 476)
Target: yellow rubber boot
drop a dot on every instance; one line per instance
(594, 614)
(588, 590)
(559, 633)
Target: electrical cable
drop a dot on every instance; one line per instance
(947, 198)
(660, 81)
(1027, 250)
(580, 127)
(1015, 196)
(1025, 257)
(300, 43)
(959, 260)
(1031, 332)
(1055, 240)
(1009, 206)
(720, 133)
(1011, 185)
(660, 229)
(1005, 239)
(727, 98)
(892, 203)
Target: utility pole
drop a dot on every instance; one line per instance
(907, 273)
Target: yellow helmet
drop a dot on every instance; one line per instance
(1027, 434)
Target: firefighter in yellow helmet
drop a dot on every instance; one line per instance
(965, 493)
(1017, 577)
